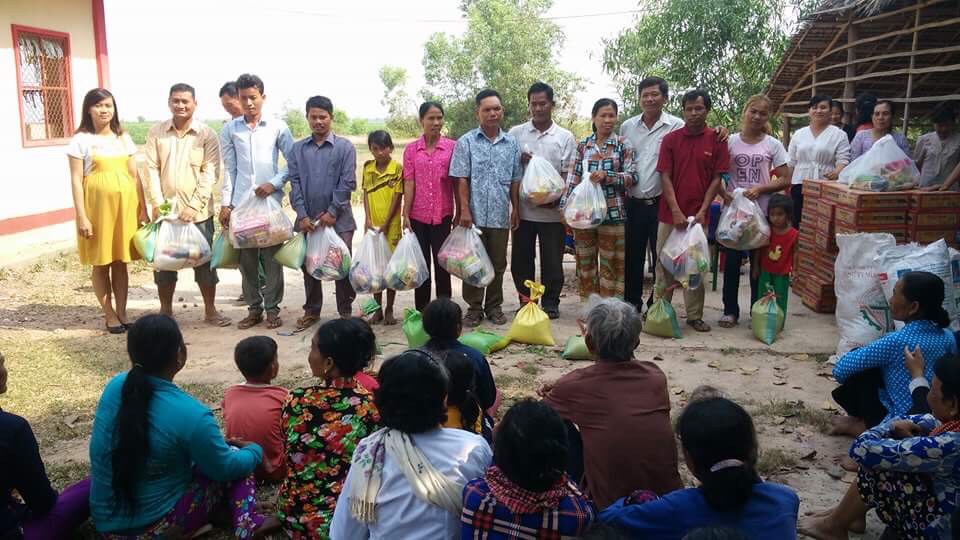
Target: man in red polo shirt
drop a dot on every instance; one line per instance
(690, 164)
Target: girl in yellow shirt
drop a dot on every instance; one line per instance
(382, 194)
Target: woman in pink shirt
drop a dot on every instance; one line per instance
(428, 195)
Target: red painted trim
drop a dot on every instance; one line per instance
(35, 221)
(100, 43)
(15, 30)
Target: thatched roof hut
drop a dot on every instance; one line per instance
(907, 51)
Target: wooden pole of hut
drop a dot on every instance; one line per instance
(913, 56)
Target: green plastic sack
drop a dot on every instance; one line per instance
(576, 349)
(145, 240)
(662, 320)
(224, 254)
(293, 252)
(413, 328)
(484, 341)
(766, 318)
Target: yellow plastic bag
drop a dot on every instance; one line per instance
(531, 325)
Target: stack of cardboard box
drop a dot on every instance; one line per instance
(831, 208)
(817, 249)
(934, 215)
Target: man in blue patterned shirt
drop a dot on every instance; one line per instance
(486, 165)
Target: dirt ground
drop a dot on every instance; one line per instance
(59, 358)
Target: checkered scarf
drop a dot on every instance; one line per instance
(523, 501)
(945, 427)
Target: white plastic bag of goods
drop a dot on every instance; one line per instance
(863, 313)
(934, 258)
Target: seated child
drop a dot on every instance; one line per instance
(441, 321)
(251, 411)
(463, 410)
(526, 488)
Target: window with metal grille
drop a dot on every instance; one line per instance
(43, 84)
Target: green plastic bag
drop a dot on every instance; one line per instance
(413, 328)
(145, 240)
(484, 341)
(662, 320)
(576, 349)
(766, 318)
(293, 252)
(224, 254)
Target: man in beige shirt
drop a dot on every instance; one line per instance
(183, 162)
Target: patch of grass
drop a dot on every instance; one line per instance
(56, 379)
(538, 350)
(691, 360)
(794, 410)
(727, 351)
(503, 380)
(774, 459)
(531, 369)
(820, 358)
(62, 475)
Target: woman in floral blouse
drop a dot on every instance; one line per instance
(603, 158)
(323, 424)
(909, 469)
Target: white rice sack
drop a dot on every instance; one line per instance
(863, 314)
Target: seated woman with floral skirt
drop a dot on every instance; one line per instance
(909, 469)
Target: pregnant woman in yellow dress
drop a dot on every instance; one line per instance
(108, 200)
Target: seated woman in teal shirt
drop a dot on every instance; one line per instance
(720, 447)
(160, 466)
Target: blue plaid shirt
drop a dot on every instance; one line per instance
(484, 518)
(490, 167)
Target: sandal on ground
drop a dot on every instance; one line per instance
(728, 321)
(472, 320)
(307, 321)
(119, 329)
(699, 325)
(274, 321)
(250, 321)
(497, 318)
(218, 321)
(376, 318)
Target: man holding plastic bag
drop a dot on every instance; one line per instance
(486, 165)
(251, 146)
(183, 164)
(540, 218)
(690, 164)
(322, 170)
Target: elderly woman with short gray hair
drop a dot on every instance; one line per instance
(621, 406)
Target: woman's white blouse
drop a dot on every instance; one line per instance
(813, 157)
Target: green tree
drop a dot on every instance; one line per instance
(507, 46)
(727, 47)
(401, 118)
(296, 120)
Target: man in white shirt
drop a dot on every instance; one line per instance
(544, 138)
(645, 131)
(938, 153)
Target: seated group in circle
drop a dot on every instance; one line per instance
(409, 454)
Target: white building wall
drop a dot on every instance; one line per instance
(36, 179)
